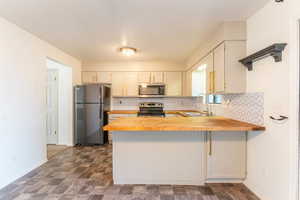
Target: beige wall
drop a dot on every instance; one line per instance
(132, 66)
(23, 78)
(227, 31)
(272, 154)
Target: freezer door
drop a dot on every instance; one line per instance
(79, 94)
(88, 93)
(92, 93)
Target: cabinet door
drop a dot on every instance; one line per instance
(208, 64)
(104, 77)
(174, 83)
(189, 83)
(131, 83)
(89, 77)
(236, 73)
(118, 88)
(219, 69)
(144, 77)
(157, 77)
(226, 155)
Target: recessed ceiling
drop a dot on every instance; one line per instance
(94, 30)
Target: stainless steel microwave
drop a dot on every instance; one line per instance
(145, 89)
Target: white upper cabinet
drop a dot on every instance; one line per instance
(219, 69)
(125, 84)
(174, 83)
(131, 84)
(157, 77)
(118, 84)
(207, 64)
(229, 75)
(151, 77)
(104, 77)
(144, 77)
(224, 73)
(235, 72)
(89, 77)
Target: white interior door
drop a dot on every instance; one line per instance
(52, 104)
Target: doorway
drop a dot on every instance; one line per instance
(52, 106)
(60, 107)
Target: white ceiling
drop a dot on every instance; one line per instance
(92, 30)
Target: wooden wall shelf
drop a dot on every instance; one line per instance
(274, 50)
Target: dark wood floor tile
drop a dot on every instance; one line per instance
(166, 189)
(139, 189)
(112, 190)
(126, 190)
(152, 189)
(8, 189)
(205, 190)
(60, 189)
(85, 173)
(179, 190)
(96, 197)
(197, 197)
(167, 197)
(55, 181)
(224, 196)
(193, 190)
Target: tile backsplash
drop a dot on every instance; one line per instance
(170, 103)
(247, 107)
(244, 107)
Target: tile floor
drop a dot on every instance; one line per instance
(52, 150)
(85, 173)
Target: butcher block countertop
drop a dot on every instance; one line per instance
(214, 123)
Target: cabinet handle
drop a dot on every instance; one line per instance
(210, 82)
(209, 143)
(214, 82)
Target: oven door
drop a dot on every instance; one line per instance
(152, 90)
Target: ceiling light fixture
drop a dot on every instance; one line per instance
(128, 51)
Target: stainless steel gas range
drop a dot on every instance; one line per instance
(152, 109)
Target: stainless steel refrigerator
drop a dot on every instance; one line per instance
(92, 104)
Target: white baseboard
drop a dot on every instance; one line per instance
(158, 182)
(225, 180)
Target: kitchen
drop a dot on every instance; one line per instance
(189, 100)
(165, 113)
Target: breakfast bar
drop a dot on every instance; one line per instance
(178, 150)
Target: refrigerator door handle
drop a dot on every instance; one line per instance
(100, 111)
(101, 102)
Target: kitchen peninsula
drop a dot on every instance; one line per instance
(179, 150)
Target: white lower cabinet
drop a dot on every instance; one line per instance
(226, 156)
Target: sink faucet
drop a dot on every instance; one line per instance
(208, 110)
